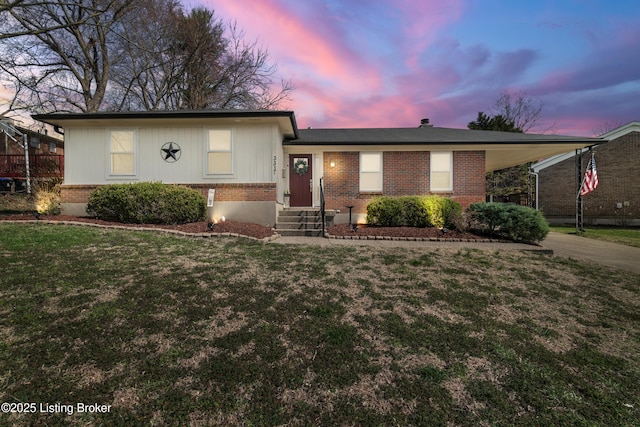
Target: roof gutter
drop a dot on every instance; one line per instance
(56, 119)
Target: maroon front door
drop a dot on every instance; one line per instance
(300, 180)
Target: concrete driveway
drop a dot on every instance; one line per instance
(584, 248)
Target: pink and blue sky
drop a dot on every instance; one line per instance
(390, 63)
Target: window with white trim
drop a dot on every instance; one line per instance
(441, 177)
(122, 152)
(52, 147)
(219, 152)
(371, 172)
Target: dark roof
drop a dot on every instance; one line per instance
(58, 119)
(162, 113)
(424, 135)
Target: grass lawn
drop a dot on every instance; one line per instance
(179, 331)
(625, 236)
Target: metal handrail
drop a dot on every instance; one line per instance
(322, 212)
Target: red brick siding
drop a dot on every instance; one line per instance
(342, 182)
(76, 193)
(404, 173)
(468, 177)
(618, 165)
(254, 192)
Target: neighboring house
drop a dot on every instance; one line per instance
(46, 157)
(616, 200)
(259, 161)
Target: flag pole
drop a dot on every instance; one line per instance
(579, 181)
(582, 179)
(584, 176)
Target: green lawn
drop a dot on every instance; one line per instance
(625, 236)
(179, 331)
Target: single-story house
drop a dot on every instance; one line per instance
(616, 199)
(258, 162)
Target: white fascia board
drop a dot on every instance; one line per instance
(543, 164)
(621, 131)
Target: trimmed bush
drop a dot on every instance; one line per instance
(413, 211)
(442, 212)
(147, 203)
(385, 211)
(518, 223)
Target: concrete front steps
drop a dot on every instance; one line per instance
(302, 222)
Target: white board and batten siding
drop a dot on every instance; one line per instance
(256, 152)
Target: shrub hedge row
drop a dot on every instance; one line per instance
(413, 211)
(514, 222)
(518, 223)
(147, 203)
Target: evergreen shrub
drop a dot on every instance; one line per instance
(147, 203)
(518, 223)
(413, 211)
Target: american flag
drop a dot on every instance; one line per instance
(590, 181)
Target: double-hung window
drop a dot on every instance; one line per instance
(122, 152)
(219, 152)
(441, 176)
(371, 172)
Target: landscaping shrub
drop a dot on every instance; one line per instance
(147, 203)
(514, 222)
(413, 211)
(48, 202)
(385, 211)
(47, 196)
(442, 212)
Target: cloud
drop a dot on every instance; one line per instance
(351, 49)
(374, 63)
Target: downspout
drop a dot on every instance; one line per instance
(26, 161)
(533, 172)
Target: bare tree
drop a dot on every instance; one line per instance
(59, 57)
(519, 109)
(96, 55)
(606, 127)
(513, 113)
(10, 8)
(146, 72)
(195, 62)
(249, 76)
(201, 47)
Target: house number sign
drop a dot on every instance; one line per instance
(170, 152)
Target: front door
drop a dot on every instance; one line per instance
(300, 180)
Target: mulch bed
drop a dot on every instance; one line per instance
(406, 232)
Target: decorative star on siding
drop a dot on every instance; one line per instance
(171, 152)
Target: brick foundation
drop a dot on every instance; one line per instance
(250, 192)
(76, 193)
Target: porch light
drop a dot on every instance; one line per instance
(333, 164)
